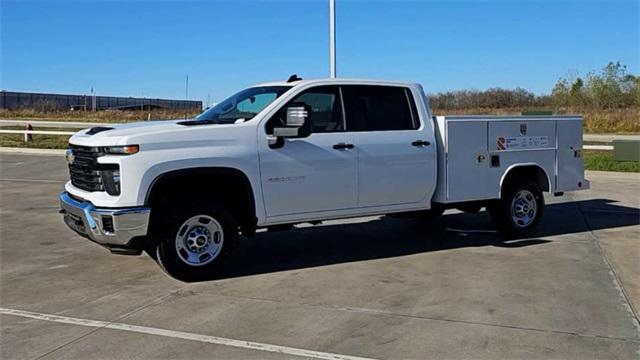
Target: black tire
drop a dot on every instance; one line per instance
(513, 215)
(178, 226)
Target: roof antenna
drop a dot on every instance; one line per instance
(293, 78)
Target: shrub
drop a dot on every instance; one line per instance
(611, 88)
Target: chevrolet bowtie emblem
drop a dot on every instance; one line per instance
(70, 156)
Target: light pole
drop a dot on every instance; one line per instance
(332, 37)
(93, 100)
(186, 88)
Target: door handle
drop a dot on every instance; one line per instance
(420, 143)
(341, 146)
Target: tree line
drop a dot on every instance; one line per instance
(611, 88)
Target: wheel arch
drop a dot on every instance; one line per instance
(239, 190)
(527, 170)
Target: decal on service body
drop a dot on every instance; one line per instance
(522, 142)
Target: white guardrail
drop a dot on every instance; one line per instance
(53, 123)
(72, 125)
(41, 132)
(598, 147)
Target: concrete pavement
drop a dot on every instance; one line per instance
(371, 287)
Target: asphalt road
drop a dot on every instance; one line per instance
(373, 287)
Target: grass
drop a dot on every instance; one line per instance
(611, 121)
(39, 141)
(603, 161)
(96, 116)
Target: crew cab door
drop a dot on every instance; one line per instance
(312, 174)
(396, 152)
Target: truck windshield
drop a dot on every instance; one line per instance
(244, 105)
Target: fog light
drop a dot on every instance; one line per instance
(107, 224)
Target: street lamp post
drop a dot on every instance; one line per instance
(186, 88)
(332, 37)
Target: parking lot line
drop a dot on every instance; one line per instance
(285, 350)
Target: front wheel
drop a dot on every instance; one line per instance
(194, 242)
(519, 211)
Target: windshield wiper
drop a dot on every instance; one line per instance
(207, 122)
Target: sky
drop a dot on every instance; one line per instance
(147, 48)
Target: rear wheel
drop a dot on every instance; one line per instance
(518, 212)
(193, 242)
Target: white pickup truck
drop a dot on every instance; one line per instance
(283, 153)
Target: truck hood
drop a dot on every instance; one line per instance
(117, 130)
(118, 134)
(149, 132)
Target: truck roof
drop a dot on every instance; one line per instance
(337, 81)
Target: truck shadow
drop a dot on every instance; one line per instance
(384, 237)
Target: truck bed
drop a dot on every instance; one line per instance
(476, 152)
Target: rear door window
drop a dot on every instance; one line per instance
(379, 108)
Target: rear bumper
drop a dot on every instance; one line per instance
(108, 227)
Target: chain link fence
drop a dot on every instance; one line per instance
(53, 102)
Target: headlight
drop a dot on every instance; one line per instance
(122, 150)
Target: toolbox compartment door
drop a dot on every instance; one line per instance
(570, 166)
(468, 178)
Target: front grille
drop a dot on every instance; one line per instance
(84, 171)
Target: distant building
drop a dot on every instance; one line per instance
(51, 102)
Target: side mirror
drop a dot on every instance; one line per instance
(296, 116)
(296, 119)
(286, 132)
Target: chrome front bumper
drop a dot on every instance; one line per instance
(109, 227)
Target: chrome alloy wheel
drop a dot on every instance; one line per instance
(523, 208)
(199, 240)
